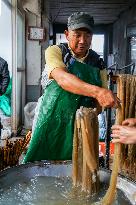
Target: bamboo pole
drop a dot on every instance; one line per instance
(110, 194)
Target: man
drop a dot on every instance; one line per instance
(78, 79)
(125, 133)
(4, 76)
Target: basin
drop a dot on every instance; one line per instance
(48, 183)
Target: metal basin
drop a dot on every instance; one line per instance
(22, 174)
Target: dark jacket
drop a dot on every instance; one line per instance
(4, 76)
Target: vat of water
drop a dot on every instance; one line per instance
(43, 183)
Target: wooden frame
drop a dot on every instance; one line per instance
(36, 33)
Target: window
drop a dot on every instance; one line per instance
(0, 7)
(60, 38)
(133, 51)
(20, 40)
(98, 44)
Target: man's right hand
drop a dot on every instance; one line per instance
(106, 98)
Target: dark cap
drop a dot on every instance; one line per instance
(80, 20)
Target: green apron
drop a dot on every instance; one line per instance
(52, 137)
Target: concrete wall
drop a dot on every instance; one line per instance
(46, 23)
(35, 60)
(120, 47)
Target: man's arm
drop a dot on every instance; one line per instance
(71, 83)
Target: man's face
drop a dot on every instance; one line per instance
(79, 41)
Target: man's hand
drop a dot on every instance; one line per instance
(106, 98)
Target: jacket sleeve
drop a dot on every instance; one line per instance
(4, 78)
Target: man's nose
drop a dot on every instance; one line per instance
(82, 39)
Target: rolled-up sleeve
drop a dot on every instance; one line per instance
(53, 59)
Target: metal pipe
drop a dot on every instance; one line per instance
(14, 66)
(109, 124)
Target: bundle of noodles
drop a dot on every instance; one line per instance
(125, 88)
(85, 152)
(9, 154)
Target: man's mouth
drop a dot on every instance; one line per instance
(81, 47)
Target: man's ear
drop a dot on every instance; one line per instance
(66, 32)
